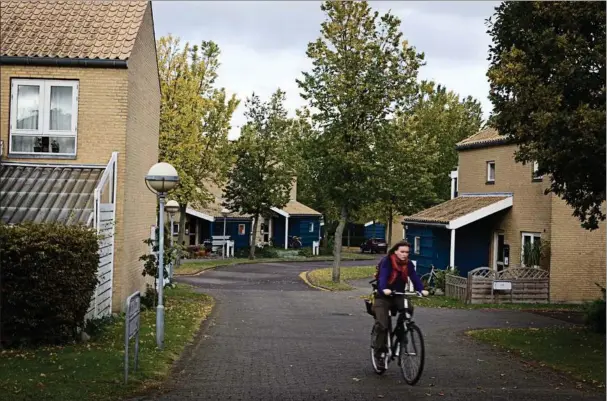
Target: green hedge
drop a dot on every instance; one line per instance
(47, 277)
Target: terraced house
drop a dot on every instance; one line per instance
(499, 217)
(79, 122)
(293, 219)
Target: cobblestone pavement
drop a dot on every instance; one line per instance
(273, 338)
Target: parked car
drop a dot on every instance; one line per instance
(374, 245)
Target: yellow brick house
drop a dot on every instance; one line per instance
(79, 125)
(498, 209)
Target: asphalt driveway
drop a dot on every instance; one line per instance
(271, 337)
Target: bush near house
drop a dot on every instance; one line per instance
(595, 313)
(47, 279)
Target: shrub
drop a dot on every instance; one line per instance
(48, 275)
(440, 280)
(595, 313)
(307, 252)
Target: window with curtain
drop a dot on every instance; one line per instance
(43, 117)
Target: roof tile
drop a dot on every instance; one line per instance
(486, 136)
(452, 209)
(96, 29)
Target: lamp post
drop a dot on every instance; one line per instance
(171, 207)
(161, 178)
(224, 213)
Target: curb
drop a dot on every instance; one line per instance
(304, 277)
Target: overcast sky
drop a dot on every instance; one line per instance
(263, 43)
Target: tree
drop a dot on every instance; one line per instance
(194, 119)
(547, 78)
(262, 175)
(362, 73)
(441, 115)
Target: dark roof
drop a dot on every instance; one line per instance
(484, 138)
(77, 29)
(42, 193)
(452, 209)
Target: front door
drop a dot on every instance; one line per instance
(498, 251)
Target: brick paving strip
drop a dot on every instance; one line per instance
(272, 337)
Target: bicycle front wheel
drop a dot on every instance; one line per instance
(378, 366)
(412, 354)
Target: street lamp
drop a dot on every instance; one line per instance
(224, 213)
(161, 178)
(171, 207)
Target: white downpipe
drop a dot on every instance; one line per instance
(452, 250)
(287, 232)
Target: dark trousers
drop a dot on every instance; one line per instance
(381, 308)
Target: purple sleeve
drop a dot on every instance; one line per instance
(417, 283)
(384, 274)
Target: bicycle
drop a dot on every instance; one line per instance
(398, 340)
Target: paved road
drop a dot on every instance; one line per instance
(273, 338)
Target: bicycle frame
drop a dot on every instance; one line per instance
(397, 335)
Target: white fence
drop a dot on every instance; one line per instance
(104, 220)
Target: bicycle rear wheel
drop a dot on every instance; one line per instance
(378, 366)
(412, 354)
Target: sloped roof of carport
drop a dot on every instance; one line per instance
(47, 193)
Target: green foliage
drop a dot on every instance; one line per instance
(262, 176)
(266, 252)
(306, 252)
(439, 120)
(532, 254)
(148, 300)
(363, 72)
(595, 313)
(48, 276)
(441, 277)
(97, 327)
(194, 119)
(547, 78)
(151, 262)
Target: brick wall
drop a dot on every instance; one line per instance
(577, 257)
(102, 121)
(142, 132)
(531, 210)
(118, 111)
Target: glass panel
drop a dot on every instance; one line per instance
(43, 144)
(491, 171)
(28, 107)
(61, 108)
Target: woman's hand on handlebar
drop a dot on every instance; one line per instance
(387, 291)
(425, 293)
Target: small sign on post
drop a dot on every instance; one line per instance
(499, 285)
(131, 329)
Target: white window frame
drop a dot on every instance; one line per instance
(489, 164)
(175, 228)
(417, 244)
(311, 227)
(244, 229)
(527, 234)
(44, 102)
(534, 167)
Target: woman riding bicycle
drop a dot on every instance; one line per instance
(395, 270)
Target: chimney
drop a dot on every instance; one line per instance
(293, 194)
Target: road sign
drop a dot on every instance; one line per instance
(131, 329)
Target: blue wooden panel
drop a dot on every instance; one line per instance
(300, 226)
(278, 233)
(377, 230)
(425, 257)
(472, 246)
(240, 241)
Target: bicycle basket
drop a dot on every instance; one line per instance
(369, 306)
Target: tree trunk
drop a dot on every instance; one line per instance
(390, 218)
(253, 237)
(338, 241)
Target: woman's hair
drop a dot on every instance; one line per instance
(398, 245)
